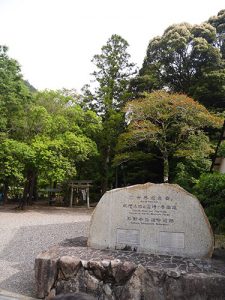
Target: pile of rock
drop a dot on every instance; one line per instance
(118, 279)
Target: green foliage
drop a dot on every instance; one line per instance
(44, 135)
(14, 95)
(210, 89)
(188, 59)
(181, 55)
(218, 22)
(173, 123)
(49, 161)
(14, 156)
(210, 190)
(112, 76)
(60, 132)
(53, 136)
(221, 150)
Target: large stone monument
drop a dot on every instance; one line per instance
(151, 218)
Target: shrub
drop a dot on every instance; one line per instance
(210, 190)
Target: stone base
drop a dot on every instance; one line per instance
(73, 267)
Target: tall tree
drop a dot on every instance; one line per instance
(14, 95)
(187, 59)
(15, 99)
(13, 157)
(112, 75)
(113, 72)
(218, 22)
(182, 54)
(173, 123)
(60, 134)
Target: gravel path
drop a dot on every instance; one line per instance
(24, 234)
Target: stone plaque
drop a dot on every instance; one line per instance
(155, 218)
(128, 237)
(171, 239)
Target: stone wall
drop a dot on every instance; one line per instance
(105, 278)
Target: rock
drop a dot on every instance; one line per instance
(92, 283)
(105, 263)
(45, 272)
(69, 266)
(107, 290)
(51, 294)
(115, 264)
(196, 286)
(140, 286)
(157, 275)
(67, 286)
(124, 271)
(74, 296)
(125, 280)
(97, 268)
(84, 263)
(151, 218)
(173, 273)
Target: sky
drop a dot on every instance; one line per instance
(55, 40)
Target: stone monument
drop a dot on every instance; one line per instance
(160, 219)
(150, 219)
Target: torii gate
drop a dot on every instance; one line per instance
(80, 185)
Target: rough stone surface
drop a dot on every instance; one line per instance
(128, 275)
(69, 266)
(156, 218)
(45, 272)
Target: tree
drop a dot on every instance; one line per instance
(60, 134)
(14, 95)
(210, 190)
(173, 123)
(186, 59)
(218, 22)
(53, 136)
(182, 54)
(15, 99)
(13, 157)
(112, 76)
(113, 73)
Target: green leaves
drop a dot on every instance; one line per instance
(210, 190)
(14, 156)
(113, 71)
(173, 123)
(183, 56)
(49, 135)
(59, 131)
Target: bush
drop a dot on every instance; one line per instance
(210, 190)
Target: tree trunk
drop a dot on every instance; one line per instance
(31, 180)
(165, 168)
(35, 192)
(26, 190)
(23, 201)
(105, 179)
(5, 192)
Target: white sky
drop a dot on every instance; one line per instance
(55, 40)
